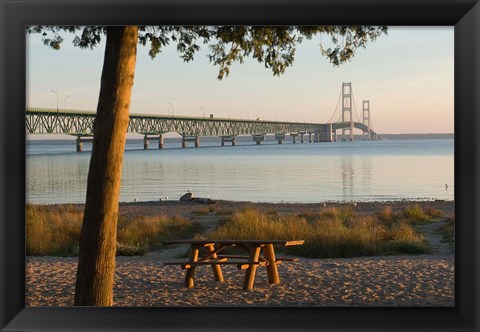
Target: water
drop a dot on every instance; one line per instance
(361, 171)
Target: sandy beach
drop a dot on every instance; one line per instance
(416, 280)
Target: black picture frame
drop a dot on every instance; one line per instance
(15, 15)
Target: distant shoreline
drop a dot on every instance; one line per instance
(416, 136)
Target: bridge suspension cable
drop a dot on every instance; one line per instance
(336, 107)
(339, 118)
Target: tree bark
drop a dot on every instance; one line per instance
(96, 264)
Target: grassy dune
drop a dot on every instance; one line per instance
(333, 232)
(54, 230)
(330, 232)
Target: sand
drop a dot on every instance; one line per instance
(417, 280)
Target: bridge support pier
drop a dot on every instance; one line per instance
(294, 137)
(79, 144)
(160, 141)
(232, 139)
(145, 142)
(280, 138)
(258, 138)
(310, 138)
(185, 139)
(301, 133)
(80, 141)
(323, 133)
(147, 139)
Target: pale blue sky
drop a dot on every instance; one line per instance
(408, 76)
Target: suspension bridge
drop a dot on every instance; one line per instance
(153, 127)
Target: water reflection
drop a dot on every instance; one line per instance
(276, 173)
(348, 173)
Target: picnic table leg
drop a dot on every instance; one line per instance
(272, 270)
(252, 268)
(190, 275)
(217, 271)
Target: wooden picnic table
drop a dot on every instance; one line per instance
(211, 255)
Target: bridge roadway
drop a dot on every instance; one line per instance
(80, 124)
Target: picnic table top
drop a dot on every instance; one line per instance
(208, 241)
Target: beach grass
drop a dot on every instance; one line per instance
(331, 232)
(147, 233)
(413, 214)
(328, 232)
(54, 230)
(448, 232)
(203, 211)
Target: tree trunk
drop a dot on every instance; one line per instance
(96, 264)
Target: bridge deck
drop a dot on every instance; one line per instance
(80, 123)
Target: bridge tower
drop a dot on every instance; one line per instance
(366, 119)
(347, 110)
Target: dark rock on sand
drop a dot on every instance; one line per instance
(187, 197)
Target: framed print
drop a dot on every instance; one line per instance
(310, 216)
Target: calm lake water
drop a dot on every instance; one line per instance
(342, 171)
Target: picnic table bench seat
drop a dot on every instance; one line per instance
(242, 265)
(223, 260)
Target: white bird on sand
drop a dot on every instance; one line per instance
(324, 205)
(136, 199)
(354, 203)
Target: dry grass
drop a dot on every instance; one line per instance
(387, 214)
(448, 232)
(55, 231)
(223, 212)
(52, 230)
(204, 210)
(146, 233)
(331, 232)
(413, 214)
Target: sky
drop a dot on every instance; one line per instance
(407, 75)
